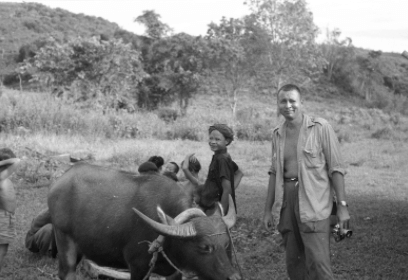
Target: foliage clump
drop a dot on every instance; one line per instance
(104, 73)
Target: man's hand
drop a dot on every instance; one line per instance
(343, 216)
(268, 221)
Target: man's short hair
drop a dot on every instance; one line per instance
(289, 87)
(158, 160)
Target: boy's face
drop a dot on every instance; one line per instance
(170, 167)
(217, 141)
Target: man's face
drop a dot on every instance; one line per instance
(289, 104)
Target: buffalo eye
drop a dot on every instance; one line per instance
(207, 249)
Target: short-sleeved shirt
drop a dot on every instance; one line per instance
(318, 156)
(7, 227)
(221, 167)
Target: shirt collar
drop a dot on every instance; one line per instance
(307, 122)
(219, 152)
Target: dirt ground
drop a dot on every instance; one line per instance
(378, 199)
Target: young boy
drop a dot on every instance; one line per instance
(8, 165)
(220, 180)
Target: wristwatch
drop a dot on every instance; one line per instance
(343, 203)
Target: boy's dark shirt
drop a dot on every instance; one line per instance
(221, 166)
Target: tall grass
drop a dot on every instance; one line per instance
(28, 112)
(376, 179)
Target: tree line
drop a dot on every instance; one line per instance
(275, 43)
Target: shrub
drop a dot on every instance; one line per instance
(381, 99)
(103, 72)
(400, 104)
(33, 25)
(40, 112)
(344, 135)
(167, 114)
(401, 88)
(183, 132)
(383, 133)
(254, 131)
(10, 79)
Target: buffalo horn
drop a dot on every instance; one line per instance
(231, 216)
(188, 214)
(182, 231)
(167, 220)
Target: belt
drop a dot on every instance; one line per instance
(290, 179)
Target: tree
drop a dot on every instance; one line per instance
(175, 65)
(289, 27)
(154, 27)
(369, 75)
(337, 52)
(104, 72)
(233, 54)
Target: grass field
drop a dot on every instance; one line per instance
(375, 152)
(376, 186)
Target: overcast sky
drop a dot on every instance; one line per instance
(372, 24)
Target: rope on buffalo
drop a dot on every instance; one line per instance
(235, 252)
(155, 247)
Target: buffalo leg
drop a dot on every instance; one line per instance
(138, 273)
(67, 256)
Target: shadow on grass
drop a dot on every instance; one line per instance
(378, 248)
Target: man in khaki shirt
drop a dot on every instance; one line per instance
(306, 168)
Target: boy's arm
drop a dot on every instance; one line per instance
(238, 174)
(226, 191)
(237, 178)
(13, 162)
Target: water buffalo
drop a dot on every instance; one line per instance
(93, 212)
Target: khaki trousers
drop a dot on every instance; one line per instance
(43, 240)
(307, 244)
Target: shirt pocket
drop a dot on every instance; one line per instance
(312, 153)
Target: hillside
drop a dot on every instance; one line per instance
(392, 70)
(24, 23)
(379, 81)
